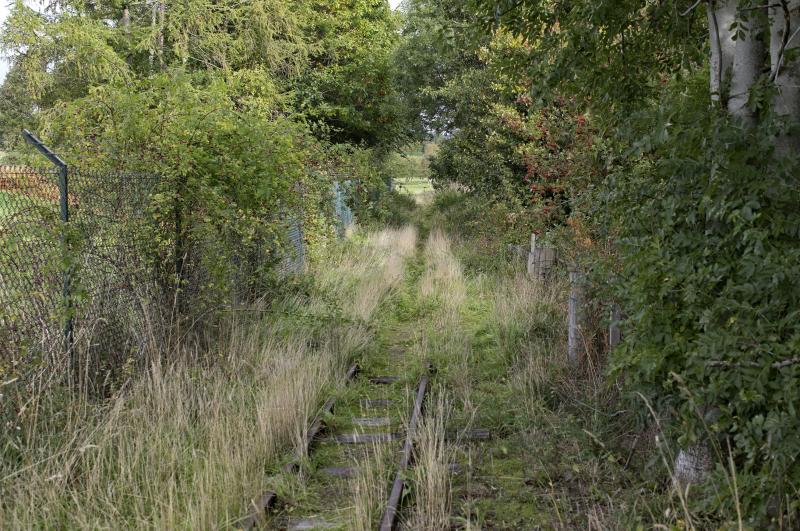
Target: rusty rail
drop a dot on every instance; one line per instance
(263, 504)
(393, 505)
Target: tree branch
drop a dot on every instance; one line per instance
(693, 6)
(718, 46)
(499, 15)
(753, 364)
(786, 40)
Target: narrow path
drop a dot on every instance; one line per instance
(479, 451)
(345, 482)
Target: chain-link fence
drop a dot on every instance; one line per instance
(98, 267)
(73, 290)
(128, 271)
(31, 268)
(344, 214)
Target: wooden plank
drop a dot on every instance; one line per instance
(340, 471)
(384, 380)
(373, 404)
(309, 523)
(260, 508)
(361, 438)
(476, 434)
(372, 421)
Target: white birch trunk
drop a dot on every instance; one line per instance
(749, 64)
(691, 466)
(785, 72)
(721, 15)
(693, 463)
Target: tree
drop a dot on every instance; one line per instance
(696, 191)
(348, 88)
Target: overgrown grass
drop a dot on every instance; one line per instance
(188, 443)
(566, 451)
(433, 455)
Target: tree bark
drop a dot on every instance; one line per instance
(691, 466)
(784, 25)
(721, 14)
(749, 63)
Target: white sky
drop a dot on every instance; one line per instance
(4, 9)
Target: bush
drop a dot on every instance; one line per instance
(710, 280)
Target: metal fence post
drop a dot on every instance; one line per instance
(63, 186)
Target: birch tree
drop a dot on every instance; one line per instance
(700, 101)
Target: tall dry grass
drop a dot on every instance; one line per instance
(529, 318)
(443, 281)
(187, 443)
(433, 455)
(370, 487)
(444, 276)
(374, 271)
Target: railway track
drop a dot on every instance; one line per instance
(328, 434)
(321, 433)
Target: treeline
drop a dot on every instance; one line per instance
(201, 136)
(241, 97)
(655, 144)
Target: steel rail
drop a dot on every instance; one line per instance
(264, 503)
(393, 505)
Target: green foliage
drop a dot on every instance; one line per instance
(247, 113)
(239, 106)
(686, 217)
(614, 54)
(347, 89)
(709, 267)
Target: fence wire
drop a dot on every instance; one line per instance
(31, 266)
(132, 268)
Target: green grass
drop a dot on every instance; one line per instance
(557, 457)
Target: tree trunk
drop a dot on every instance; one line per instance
(691, 465)
(125, 22)
(727, 55)
(785, 37)
(721, 15)
(748, 64)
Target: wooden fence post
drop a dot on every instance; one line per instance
(576, 320)
(541, 260)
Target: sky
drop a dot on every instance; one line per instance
(4, 8)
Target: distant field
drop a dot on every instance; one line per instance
(413, 186)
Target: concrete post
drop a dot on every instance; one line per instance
(576, 319)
